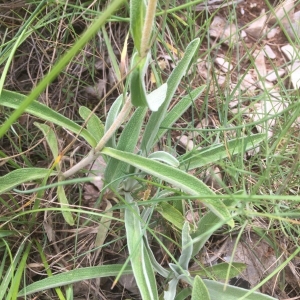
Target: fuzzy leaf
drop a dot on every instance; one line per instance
(219, 291)
(220, 271)
(111, 116)
(200, 291)
(173, 81)
(156, 98)
(50, 137)
(187, 247)
(171, 214)
(14, 100)
(74, 276)
(65, 205)
(137, 84)
(211, 154)
(178, 110)
(137, 16)
(188, 183)
(16, 177)
(139, 258)
(127, 142)
(94, 125)
(164, 157)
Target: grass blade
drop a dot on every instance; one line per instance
(14, 288)
(8, 277)
(22, 34)
(48, 269)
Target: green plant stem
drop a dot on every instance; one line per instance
(94, 153)
(147, 29)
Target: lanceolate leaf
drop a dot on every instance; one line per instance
(172, 83)
(16, 177)
(139, 258)
(205, 230)
(220, 291)
(171, 214)
(74, 276)
(137, 84)
(138, 91)
(127, 142)
(137, 16)
(178, 110)
(200, 291)
(94, 124)
(156, 98)
(64, 204)
(50, 137)
(187, 247)
(155, 264)
(220, 271)
(211, 154)
(164, 157)
(14, 100)
(182, 180)
(111, 116)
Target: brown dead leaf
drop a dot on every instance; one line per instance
(259, 257)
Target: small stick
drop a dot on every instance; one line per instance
(94, 153)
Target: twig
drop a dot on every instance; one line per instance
(117, 123)
(94, 153)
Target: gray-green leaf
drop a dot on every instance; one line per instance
(182, 180)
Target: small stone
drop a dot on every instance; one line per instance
(269, 52)
(257, 28)
(224, 65)
(272, 32)
(273, 76)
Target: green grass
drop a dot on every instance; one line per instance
(137, 221)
